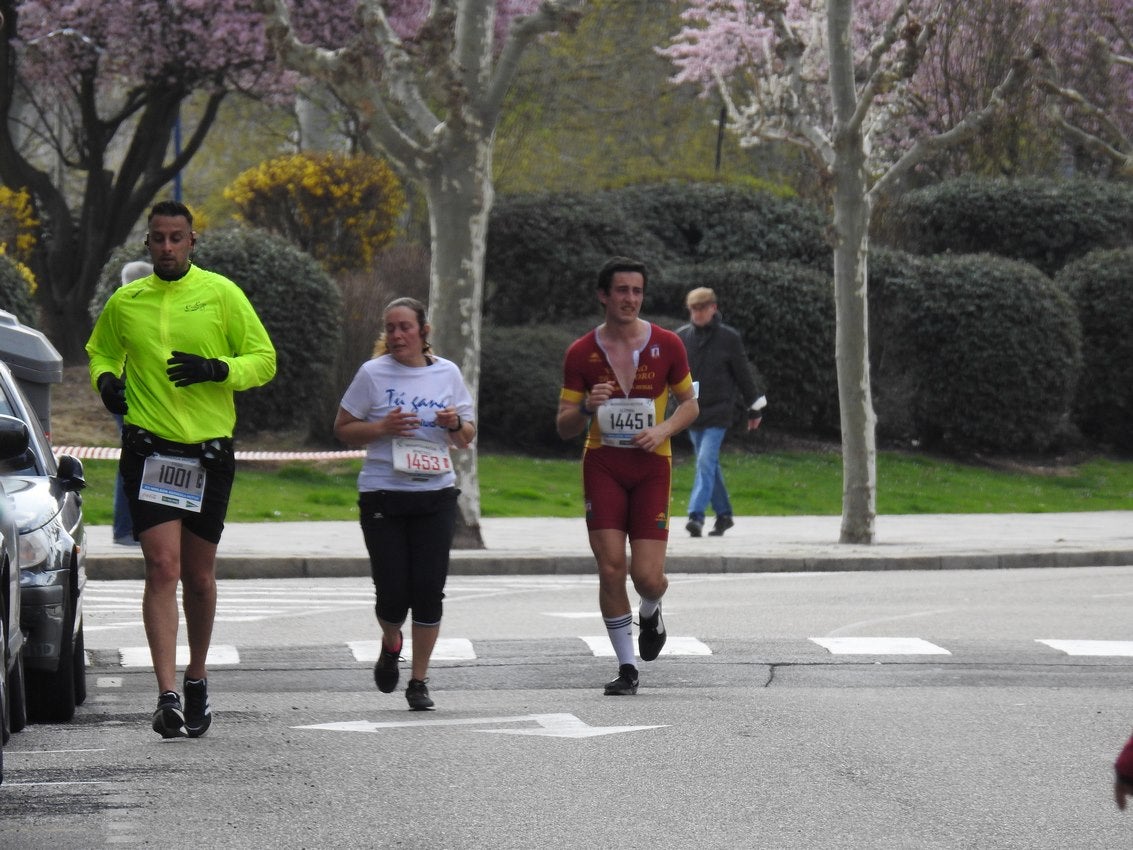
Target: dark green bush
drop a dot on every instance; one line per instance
(14, 295)
(521, 373)
(785, 314)
(299, 305)
(1046, 223)
(1101, 285)
(544, 250)
(988, 351)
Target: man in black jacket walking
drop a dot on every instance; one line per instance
(720, 367)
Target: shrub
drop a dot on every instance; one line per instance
(1047, 223)
(544, 250)
(15, 290)
(342, 210)
(1101, 286)
(519, 415)
(785, 314)
(988, 349)
(300, 307)
(17, 224)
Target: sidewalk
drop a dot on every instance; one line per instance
(756, 544)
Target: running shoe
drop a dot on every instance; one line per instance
(417, 695)
(694, 526)
(385, 670)
(625, 684)
(198, 714)
(723, 523)
(652, 636)
(169, 719)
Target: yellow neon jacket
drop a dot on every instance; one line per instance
(203, 313)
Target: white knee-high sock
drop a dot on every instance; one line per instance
(620, 630)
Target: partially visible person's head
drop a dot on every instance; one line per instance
(701, 304)
(405, 334)
(620, 264)
(136, 270)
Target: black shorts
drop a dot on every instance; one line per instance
(207, 524)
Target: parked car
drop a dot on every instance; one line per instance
(52, 558)
(13, 710)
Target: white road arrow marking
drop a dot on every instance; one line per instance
(550, 726)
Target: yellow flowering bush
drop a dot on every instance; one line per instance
(17, 224)
(340, 209)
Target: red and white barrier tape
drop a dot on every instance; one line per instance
(111, 453)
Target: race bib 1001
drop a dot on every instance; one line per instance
(622, 419)
(420, 458)
(177, 482)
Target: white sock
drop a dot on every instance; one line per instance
(620, 630)
(648, 609)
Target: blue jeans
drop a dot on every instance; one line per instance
(709, 483)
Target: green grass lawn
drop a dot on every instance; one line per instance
(772, 484)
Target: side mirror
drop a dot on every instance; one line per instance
(71, 473)
(14, 439)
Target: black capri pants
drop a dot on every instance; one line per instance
(408, 536)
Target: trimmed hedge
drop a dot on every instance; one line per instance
(1101, 286)
(519, 415)
(544, 250)
(785, 314)
(972, 353)
(299, 305)
(1047, 223)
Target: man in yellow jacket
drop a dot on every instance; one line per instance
(185, 340)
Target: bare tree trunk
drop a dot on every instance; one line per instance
(851, 246)
(460, 193)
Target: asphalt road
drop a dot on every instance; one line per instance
(790, 710)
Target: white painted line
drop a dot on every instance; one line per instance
(600, 646)
(446, 649)
(219, 656)
(550, 725)
(879, 646)
(1122, 648)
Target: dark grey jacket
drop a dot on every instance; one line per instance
(717, 360)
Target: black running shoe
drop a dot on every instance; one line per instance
(723, 523)
(694, 526)
(417, 695)
(169, 719)
(652, 636)
(626, 683)
(385, 670)
(198, 714)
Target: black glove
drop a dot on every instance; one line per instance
(113, 392)
(185, 369)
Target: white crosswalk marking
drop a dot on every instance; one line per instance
(446, 649)
(1123, 648)
(601, 648)
(879, 646)
(219, 656)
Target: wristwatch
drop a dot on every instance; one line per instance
(459, 425)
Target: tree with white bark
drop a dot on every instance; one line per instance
(839, 80)
(427, 82)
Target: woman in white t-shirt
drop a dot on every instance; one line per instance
(408, 407)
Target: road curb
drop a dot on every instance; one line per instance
(483, 562)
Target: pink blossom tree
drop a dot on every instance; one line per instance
(839, 80)
(91, 95)
(427, 82)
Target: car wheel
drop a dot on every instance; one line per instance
(80, 667)
(51, 696)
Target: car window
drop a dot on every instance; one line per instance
(42, 460)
